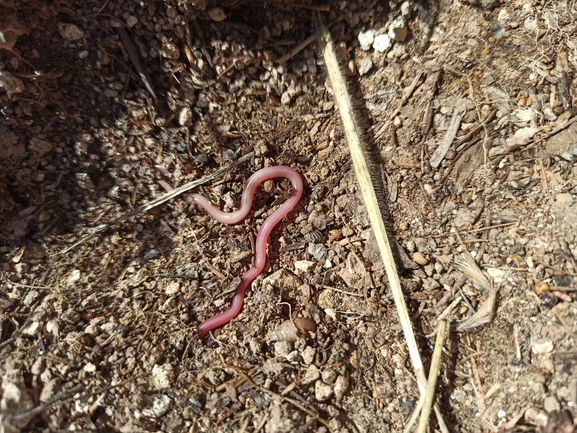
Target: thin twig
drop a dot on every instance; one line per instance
(25, 286)
(360, 295)
(285, 398)
(432, 379)
(477, 378)
(297, 49)
(133, 55)
(496, 226)
(158, 201)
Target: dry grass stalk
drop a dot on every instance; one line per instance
(432, 379)
(354, 135)
(159, 200)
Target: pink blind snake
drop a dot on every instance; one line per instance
(261, 240)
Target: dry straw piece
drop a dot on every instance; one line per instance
(354, 134)
(485, 314)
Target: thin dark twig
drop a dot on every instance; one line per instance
(158, 201)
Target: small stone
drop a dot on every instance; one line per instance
(151, 254)
(52, 327)
(536, 416)
(283, 348)
(73, 277)
(319, 252)
(420, 258)
(172, 288)
(530, 24)
(329, 376)
(50, 388)
(398, 29)
(411, 246)
(294, 356)
(131, 21)
(285, 282)
(160, 405)
(318, 220)
(202, 101)
(365, 65)
(366, 39)
(185, 116)
(311, 375)
(38, 366)
(405, 9)
(496, 30)
(335, 235)
(382, 43)
(551, 404)
(341, 386)
(323, 391)
(89, 368)
(162, 376)
(70, 32)
(542, 346)
(308, 355)
(216, 14)
(347, 231)
(304, 266)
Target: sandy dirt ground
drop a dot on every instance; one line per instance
(108, 105)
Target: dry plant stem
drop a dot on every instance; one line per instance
(353, 134)
(408, 92)
(61, 397)
(69, 395)
(432, 380)
(496, 226)
(133, 54)
(287, 399)
(297, 49)
(158, 201)
(477, 109)
(478, 383)
(450, 135)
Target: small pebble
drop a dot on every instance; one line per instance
(398, 29)
(496, 30)
(420, 258)
(365, 65)
(382, 43)
(70, 32)
(323, 391)
(185, 116)
(530, 24)
(216, 14)
(340, 386)
(329, 376)
(366, 39)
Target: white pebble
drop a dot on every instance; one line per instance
(382, 43)
(323, 391)
(365, 66)
(366, 39)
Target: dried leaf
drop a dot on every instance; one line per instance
(467, 266)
